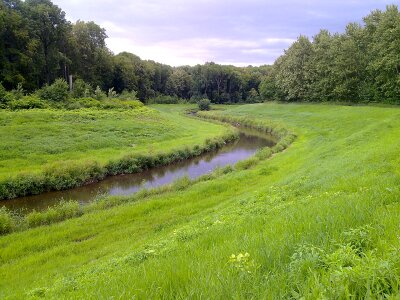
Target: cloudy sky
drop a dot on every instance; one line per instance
(187, 32)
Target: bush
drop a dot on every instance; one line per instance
(5, 97)
(204, 104)
(27, 102)
(77, 103)
(19, 92)
(70, 174)
(6, 221)
(111, 93)
(57, 92)
(81, 89)
(99, 94)
(128, 95)
(119, 104)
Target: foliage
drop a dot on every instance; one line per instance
(302, 215)
(38, 45)
(56, 92)
(99, 94)
(204, 104)
(128, 95)
(4, 97)
(81, 89)
(111, 93)
(64, 210)
(19, 92)
(359, 65)
(27, 102)
(6, 221)
(118, 139)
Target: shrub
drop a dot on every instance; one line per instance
(2, 91)
(69, 174)
(19, 92)
(119, 104)
(204, 104)
(111, 93)
(27, 102)
(99, 94)
(128, 95)
(81, 89)
(6, 221)
(5, 97)
(57, 92)
(77, 103)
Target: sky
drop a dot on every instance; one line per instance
(190, 32)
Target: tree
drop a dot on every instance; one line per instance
(179, 84)
(384, 64)
(292, 70)
(49, 30)
(91, 60)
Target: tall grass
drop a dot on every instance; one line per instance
(317, 221)
(68, 159)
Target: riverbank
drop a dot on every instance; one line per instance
(62, 210)
(319, 219)
(56, 150)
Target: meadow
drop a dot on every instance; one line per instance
(49, 149)
(317, 219)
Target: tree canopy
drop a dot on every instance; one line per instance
(38, 45)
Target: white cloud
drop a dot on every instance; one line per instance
(238, 32)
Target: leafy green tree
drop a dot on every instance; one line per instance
(49, 30)
(91, 60)
(293, 70)
(179, 84)
(384, 63)
(56, 92)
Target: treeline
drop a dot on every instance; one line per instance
(360, 65)
(38, 45)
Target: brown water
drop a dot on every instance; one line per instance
(247, 144)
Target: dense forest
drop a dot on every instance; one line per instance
(38, 45)
(360, 65)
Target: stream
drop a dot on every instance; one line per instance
(248, 143)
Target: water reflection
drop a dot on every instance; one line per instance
(248, 143)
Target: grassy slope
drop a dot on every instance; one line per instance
(37, 138)
(341, 173)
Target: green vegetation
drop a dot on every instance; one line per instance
(318, 220)
(71, 209)
(359, 65)
(59, 149)
(204, 104)
(38, 45)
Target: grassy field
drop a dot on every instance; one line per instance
(319, 220)
(38, 142)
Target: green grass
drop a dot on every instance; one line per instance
(53, 149)
(318, 220)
